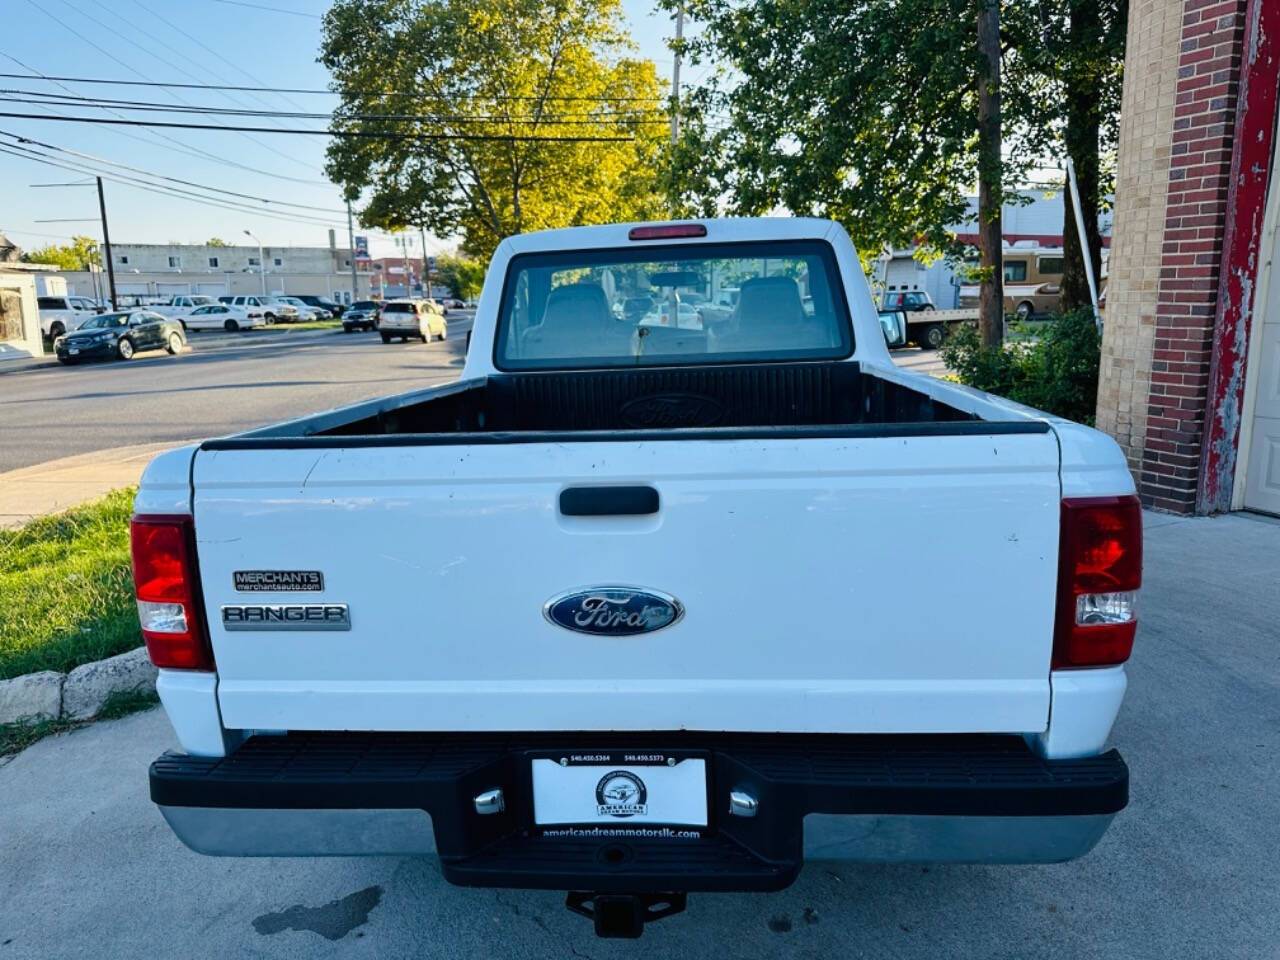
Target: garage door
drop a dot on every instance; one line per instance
(172, 289)
(1262, 482)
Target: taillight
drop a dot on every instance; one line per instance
(167, 586)
(667, 231)
(1099, 573)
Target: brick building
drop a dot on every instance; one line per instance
(1190, 379)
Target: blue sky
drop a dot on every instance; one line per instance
(200, 41)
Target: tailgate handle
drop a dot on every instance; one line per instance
(608, 501)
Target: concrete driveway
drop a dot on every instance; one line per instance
(89, 869)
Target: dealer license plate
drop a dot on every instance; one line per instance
(73, 350)
(620, 788)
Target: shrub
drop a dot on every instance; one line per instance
(1052, 366)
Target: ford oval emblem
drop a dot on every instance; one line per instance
(613, 611)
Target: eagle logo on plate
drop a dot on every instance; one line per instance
(613, 611)
(620, 793)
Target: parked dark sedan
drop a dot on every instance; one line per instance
(120, 335)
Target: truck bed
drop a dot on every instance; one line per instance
(726, 402)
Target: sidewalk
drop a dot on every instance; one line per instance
(18, 364)
(61, 484)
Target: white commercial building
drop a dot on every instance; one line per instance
(150, 270)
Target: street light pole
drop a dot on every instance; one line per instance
(351, 240)
(262, 262)
(675, 77)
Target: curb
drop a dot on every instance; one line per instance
(78, 695)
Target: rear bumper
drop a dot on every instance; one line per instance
(985, 799)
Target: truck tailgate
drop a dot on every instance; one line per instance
(832, 584)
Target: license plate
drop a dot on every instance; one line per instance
(620, 789)
(73, 350)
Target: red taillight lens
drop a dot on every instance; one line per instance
(166, 583)
(1099, 573)
(667, 231)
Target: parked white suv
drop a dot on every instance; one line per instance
(177, 307)
(305, 310)
(272, 308)
(411, 319)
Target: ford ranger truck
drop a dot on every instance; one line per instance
(633, 611)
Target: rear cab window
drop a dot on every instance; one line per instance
(666, 305)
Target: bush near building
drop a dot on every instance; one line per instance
(1054, 368)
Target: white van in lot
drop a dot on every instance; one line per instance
(665, 631)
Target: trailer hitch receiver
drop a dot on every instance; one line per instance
(623, 915)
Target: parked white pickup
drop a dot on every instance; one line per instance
(638, 610)
(59, 315)
(178, 307)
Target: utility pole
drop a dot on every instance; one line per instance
(990, 228)
(675, 77)
(426, 276)
(106, 243)
(351, 242)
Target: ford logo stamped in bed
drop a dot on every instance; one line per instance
(613, 611)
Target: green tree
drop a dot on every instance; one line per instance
(462, 275)
(538, 116)
(77, 255)
(873, 119)
(1079, 72)
(216, 242)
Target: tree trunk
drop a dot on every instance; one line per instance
(1083, 125)
(990, 233)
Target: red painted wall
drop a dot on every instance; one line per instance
(1253, 145)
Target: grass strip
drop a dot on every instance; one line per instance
(67, 588)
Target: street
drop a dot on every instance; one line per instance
(224, 384)
(219, 385)
(89, 869)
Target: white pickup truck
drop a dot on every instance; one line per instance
(178, 308)
(633, 611)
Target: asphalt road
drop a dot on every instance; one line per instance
(222, 384)
(226, 383)
(89, 869)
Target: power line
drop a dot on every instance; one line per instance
(37, 98)
(588, 98)
(125, 180)
(260, 6)
(160, 176)
(151, 53)
(357, 134)
(214, 53)
(169, 143)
